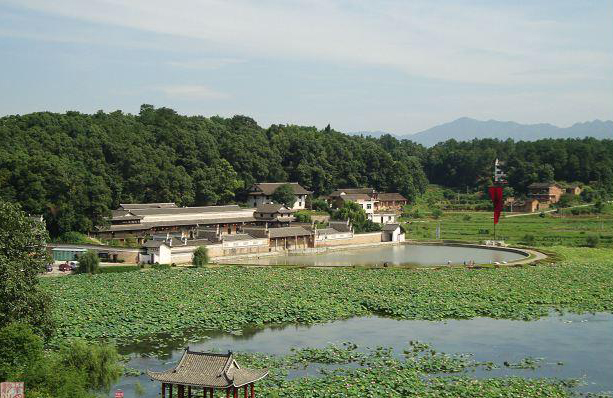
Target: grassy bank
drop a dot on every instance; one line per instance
(550, 230)
(124, 306)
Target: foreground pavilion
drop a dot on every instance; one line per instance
(209, 372)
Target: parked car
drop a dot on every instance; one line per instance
(65, 267)
(49, 267)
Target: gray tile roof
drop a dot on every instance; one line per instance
(286, 232)
(203, 369)
(367, 191)
(273, 208)
(268, 188)
(154, 243)
(390, 196)
(196, 221)
(390, 227)
(355, 196)
(236, 237)
(132, 206)
(341, 226)
(184, 210)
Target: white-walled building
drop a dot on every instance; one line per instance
(261, 194)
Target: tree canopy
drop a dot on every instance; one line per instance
(284, 194)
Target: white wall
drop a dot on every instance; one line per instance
(256, 200)
(383, 218)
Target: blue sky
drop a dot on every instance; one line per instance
(398, 66)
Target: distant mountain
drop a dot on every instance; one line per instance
(466, 129)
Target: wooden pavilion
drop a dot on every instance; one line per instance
(208, 372)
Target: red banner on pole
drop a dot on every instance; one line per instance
(496, 196)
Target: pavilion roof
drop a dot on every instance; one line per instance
(205, 369)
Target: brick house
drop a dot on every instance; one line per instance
(545, 192)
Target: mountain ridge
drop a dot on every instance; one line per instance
(466, 129)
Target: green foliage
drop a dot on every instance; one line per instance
(437, 213)
(302, 216)
(320, 205)
(99, 362)
(529, 239)
(359, 220)
(20, 348)
(201, 298)
(200, 258)
(592, 240)
(284, 194)
(89, 262)
(23, 255)
(118, 268)
(74, 237)
(72, 372)
(73, 168)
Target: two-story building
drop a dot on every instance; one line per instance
(274, 215)
(261, 193)
(545, 192)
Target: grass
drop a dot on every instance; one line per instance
(551, 230)
(126, 306)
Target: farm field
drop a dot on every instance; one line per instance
(122, 307)
(551, 230)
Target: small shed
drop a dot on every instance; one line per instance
(392, 233)
(66, 253)
(208, 372)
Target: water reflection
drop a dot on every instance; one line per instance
(580, 342)
(393, 255)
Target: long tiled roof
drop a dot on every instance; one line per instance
(366, 191)
(273, 208)
(203, 369)
(196, 221)
(286, 232)
(356, 196)
(390, 196)
(184, 210)
(132, 206)
(340, 226)
(268, 188)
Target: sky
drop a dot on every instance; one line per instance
(396, 66)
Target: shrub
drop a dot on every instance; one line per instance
(320, 205)
(200, 257)
(302, 217)
(160, 266)
(467, 217)
(542, 215)
(592, 240)
(437, 213)
(19, 349)
(529, 239)
(416, 214)
(73, 237)
(89, 262)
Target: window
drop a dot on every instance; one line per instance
(369, 206)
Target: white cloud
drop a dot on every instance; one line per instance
(439, 40)
(191, 92)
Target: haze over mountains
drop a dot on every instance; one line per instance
(466, 129)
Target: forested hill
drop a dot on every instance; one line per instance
(73, 168)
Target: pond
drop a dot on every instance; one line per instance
(571, 346)
(406, 254)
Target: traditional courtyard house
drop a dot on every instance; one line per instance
(392, 233)
(274, 215)
(141, 220)
(261, 193)
(283, 238)
(136, 206)
(208, 372)
(545, 192)
(390, 201)
(336, 195)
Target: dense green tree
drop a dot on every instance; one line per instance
(23, 256)
(359, 220)
(89, 262)
(284, 194)
(200, 258)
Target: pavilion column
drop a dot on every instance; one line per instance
(189, 391)
(252, 391)
(212, 392)
(228, 392)
(235, 392)
(245, 391)
(180, 391)
(170, 390)
(163, 390)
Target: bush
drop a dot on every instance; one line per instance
(437, 213)
(542, 215)
(320, 205)
(19, 349)
(200, 257)
(118, 268)
(160, 266)
(89, 262)
(302, 217)
(467, 217)
(528, 239)
(74, 238)
(592, 241)
(416, 214)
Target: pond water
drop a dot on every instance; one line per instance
(407, 254)
(572, 346)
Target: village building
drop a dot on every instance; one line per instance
(209, 373)
(274, 215)
(390, 201)
(392, 233)
(573, 189)
(283, 238)
(524, 206)
(380, 207)
(261, 193)
(142, 220)
(545, 192)
(336, 230)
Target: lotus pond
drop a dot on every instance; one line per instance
(384, 358)
(406, 254)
